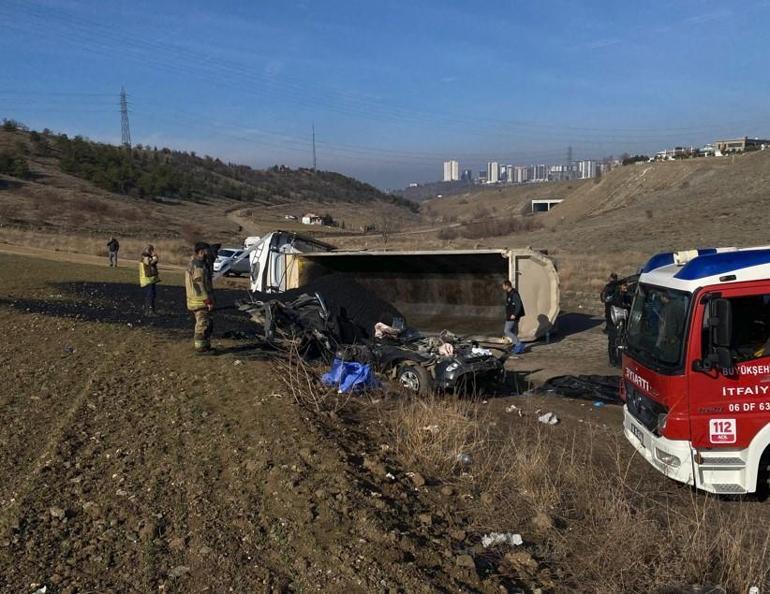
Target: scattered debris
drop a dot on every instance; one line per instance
(499, 538)
(41, 590)
(433, 429)
(350, 376)
(237, 362)
(464, 459)
(548, 418)
(598, 403)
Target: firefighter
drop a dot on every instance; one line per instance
(607, 296)
(514, 311)
(200, 295)
(149, 277)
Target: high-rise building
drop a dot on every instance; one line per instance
(586, 169)
(560, 172)
(493, 172)
(520, 175)
(467, 175)
(451, 171)
(539, 172)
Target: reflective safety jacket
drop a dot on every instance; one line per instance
(148, 270)
(198, 285)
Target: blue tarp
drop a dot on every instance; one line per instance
(350, 376)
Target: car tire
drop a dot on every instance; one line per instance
(415, 379)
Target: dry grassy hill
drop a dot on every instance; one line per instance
(611, 223)
(65, 198)
(646, 207)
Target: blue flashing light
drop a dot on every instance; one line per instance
(658, 261)
(721, 263)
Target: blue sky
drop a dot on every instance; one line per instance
(393, 87)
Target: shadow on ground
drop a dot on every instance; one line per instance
(123, 303)
(574, 323)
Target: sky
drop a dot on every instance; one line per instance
(393, 88)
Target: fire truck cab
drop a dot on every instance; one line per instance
(696, 367)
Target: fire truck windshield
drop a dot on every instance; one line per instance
(656, 327)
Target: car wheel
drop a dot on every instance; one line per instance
(415, 379)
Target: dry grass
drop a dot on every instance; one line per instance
(583, 276)
(301, 382)
(171, 251)
(611, 531)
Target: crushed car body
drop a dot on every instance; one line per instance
(337, 317)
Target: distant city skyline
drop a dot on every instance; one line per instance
(392, 97)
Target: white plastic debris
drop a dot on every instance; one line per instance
(548, 418)
(237, 362)
(464, 458)
(431, 429)
(390, 476)
(500, 538)
(478, 351)
(513, 408)
(41, 590)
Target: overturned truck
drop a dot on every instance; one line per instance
(435, 290)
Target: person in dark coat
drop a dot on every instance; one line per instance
(112, 248)
(607, 296)
(514, 311)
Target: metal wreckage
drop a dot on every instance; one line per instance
(336, 317)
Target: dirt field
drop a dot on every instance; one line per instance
(130, 465)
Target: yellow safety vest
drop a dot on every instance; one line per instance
(145, 278)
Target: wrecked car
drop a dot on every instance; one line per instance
(337, 317)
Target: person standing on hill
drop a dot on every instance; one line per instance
(200, 295)
(149, 277)
(112, 248)
(514, 311)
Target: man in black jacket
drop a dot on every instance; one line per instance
(112, 247)
(608, 295)
(514, 311)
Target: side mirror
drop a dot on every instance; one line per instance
(720, 336)
(721, 315)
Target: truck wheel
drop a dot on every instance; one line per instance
(415, 378)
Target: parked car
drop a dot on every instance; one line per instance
(225, 257)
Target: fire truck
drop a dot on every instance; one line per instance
(696, 368)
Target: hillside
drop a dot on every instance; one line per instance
(645, 207)
(69, 193)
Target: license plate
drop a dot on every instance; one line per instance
(637, 433)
